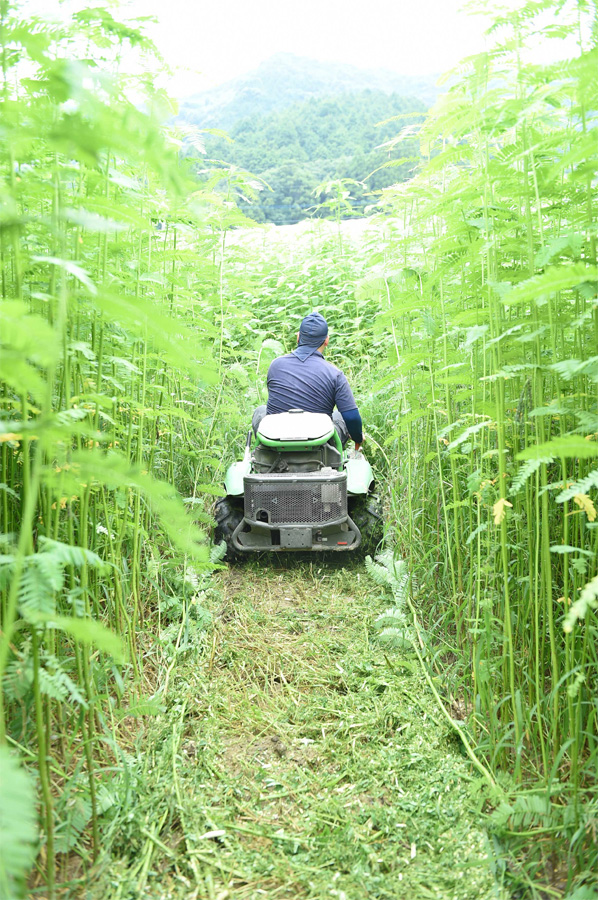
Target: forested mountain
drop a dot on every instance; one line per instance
(297, 123)
(285, 79)
(296, 149)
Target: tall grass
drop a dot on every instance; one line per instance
(112, 274)
(491, 283)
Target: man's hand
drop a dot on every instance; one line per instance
(360, 445)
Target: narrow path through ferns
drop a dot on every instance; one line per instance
(294, 762)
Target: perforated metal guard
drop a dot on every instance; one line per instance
(309, 501)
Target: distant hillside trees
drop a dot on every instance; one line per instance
(295, 149)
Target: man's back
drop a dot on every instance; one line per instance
(312, 384)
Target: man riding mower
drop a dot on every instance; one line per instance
(297, 488)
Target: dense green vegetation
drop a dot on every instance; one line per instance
(309, 144)
(131, 357)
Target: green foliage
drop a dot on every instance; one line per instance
(114, 471)
(526, 471)
(392, 626)
(579, 487)
(388, 570)
(18, 826)
(88, 633)
(54, 682)
(491, 394)
(108, 326)
(525, 812)
(587, 600)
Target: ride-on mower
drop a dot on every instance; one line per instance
(296, 489)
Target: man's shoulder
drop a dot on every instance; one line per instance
(280, 365)
(317, 360)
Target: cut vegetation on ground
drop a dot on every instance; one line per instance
(299, 760)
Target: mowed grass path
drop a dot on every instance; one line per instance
(299, 762)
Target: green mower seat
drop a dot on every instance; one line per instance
(297, 430)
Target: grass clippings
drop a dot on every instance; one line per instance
(295, 762)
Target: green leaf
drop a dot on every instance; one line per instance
(565, 548)
(238, 373)
(558, 278)
(526, 471)
(474, 334)
(113, 471)
(144, 706)
(588, 599)
(273, 346)
(564, 243)
(458, 504)
(78, 814)
(176, 342)
(571, 368)
(8, 490)
(214, 489)
(71, 268)
(42, 578)
(404, 419)
(570, 446)
(25, 342)
(89, 632)
(584, 892)
(508, 372)
(579, 487)
(481, 528)
(91, 221)
(58, 684)
(552, 411)
(473, 429)
(69, 555)
(28, 335)
(18, 826)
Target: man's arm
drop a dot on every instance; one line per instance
(346, 405)
(354, 425)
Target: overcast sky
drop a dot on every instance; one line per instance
(211, 42)
(207, 42)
